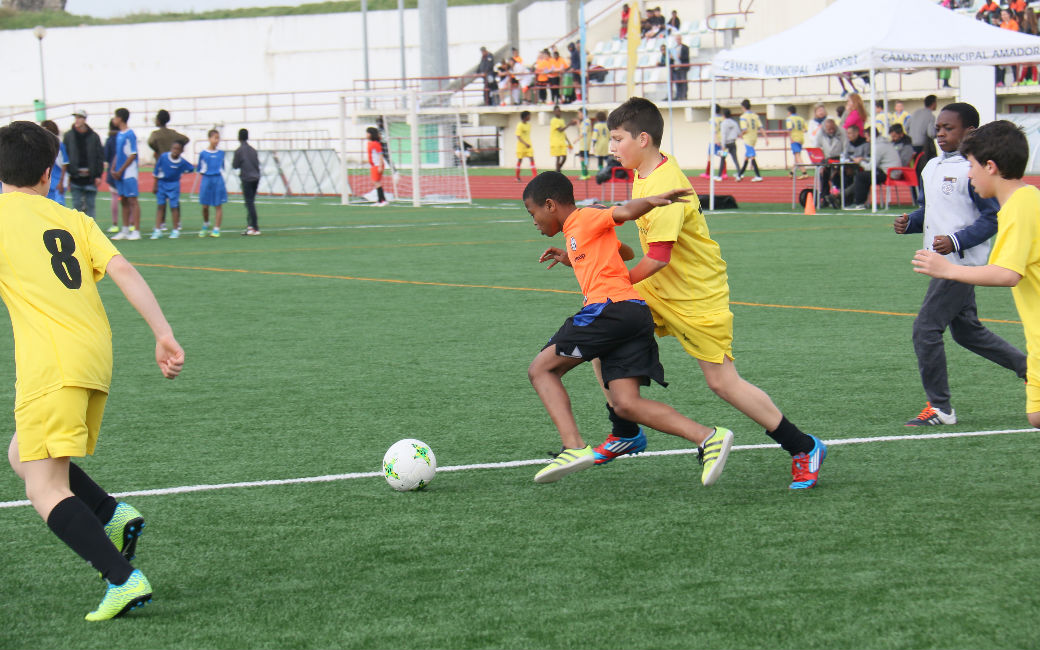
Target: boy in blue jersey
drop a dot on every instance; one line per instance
(212, 191)
(124, 170)
(58, 173)
(168, 170)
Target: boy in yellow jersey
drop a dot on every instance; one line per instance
(558, 143)
(600, 139)
(750, 129)
(523, 143)
(50, 261)
(687, 290)
(796, 126)
(997, 153)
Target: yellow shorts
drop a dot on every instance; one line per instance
(708, 337)
(558, 150)
(1033, 388)
(61, 423)
(524, 152)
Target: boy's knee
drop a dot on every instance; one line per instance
(1034, 419)
(12, 454)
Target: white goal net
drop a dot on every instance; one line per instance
(422, 143)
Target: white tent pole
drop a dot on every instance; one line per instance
(711, 145)
(873, 140)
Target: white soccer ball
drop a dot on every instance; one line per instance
(409, 464)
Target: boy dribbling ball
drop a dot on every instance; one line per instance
(63, 360)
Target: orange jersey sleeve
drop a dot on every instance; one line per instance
(375, 153)
(592, 246)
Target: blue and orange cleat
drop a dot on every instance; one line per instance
(805, 468)
(615, 446)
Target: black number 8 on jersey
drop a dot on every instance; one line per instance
(60, 244)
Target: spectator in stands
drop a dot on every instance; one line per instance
(815, 125)
(525, 82)
(647, 23)
(625, 13)
(680, 67)
(542, 67)
(886, 158)
(1027, 73)
(655, 19)
(674, 22)
(855, 113)
(504, 73)
(857, 150)
(559, 65)
(988, 10)
(86, 163)
(920, 126)
(1017, 8)
(899, 115)
(486, 72)
(1008, 22)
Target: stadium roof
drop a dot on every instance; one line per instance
(849, 35)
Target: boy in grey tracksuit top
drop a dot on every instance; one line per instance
(959, 224)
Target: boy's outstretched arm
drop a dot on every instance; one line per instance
(638, 207)
(935, 265)
(168, 353)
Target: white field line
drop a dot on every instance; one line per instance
(521, 463)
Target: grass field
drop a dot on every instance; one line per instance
(313, 348)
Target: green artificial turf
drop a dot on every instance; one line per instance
(312, 348)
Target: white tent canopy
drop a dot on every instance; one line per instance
(853, 35)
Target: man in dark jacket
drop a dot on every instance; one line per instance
(86, 162)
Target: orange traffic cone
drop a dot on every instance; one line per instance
(810, 203)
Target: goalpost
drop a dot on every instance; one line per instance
(423, 146)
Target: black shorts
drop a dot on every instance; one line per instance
(621, 336)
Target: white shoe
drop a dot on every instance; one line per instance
(134, 234)
(718, 179)
(156, 234)
(738, 179)
(122, 234)
(382, 204)
(175, 233)
(757, 179)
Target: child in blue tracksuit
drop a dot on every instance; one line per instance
(168, 171)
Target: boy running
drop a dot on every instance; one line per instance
(998, 153)
(685, 285)
(212, 190)
(958, 224)
(614, 326)
(168, 171)
(750, 130)
(63, 361)
(795, 125)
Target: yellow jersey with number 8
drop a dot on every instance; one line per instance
(51, 258)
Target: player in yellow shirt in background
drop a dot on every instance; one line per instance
(796, 126)
(998, 153)
(600, 139)
(52, 259)
(750, 129)
(558, 142)
(687, 289)
(523, 143)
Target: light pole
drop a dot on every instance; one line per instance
(39, 32)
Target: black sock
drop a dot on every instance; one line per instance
(379, 193)
(77, 526)
(622, 428)
(90, 493)
(743, 168)
(791, 438)
(754, 164)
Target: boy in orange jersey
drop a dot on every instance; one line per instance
(376, 165)
(614, 326)
(683, 279)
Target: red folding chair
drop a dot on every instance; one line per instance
(907, 178)
(625, 177)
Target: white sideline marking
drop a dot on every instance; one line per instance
(521, 463)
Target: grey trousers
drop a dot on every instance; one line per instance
(83, 197)
(952, 304)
